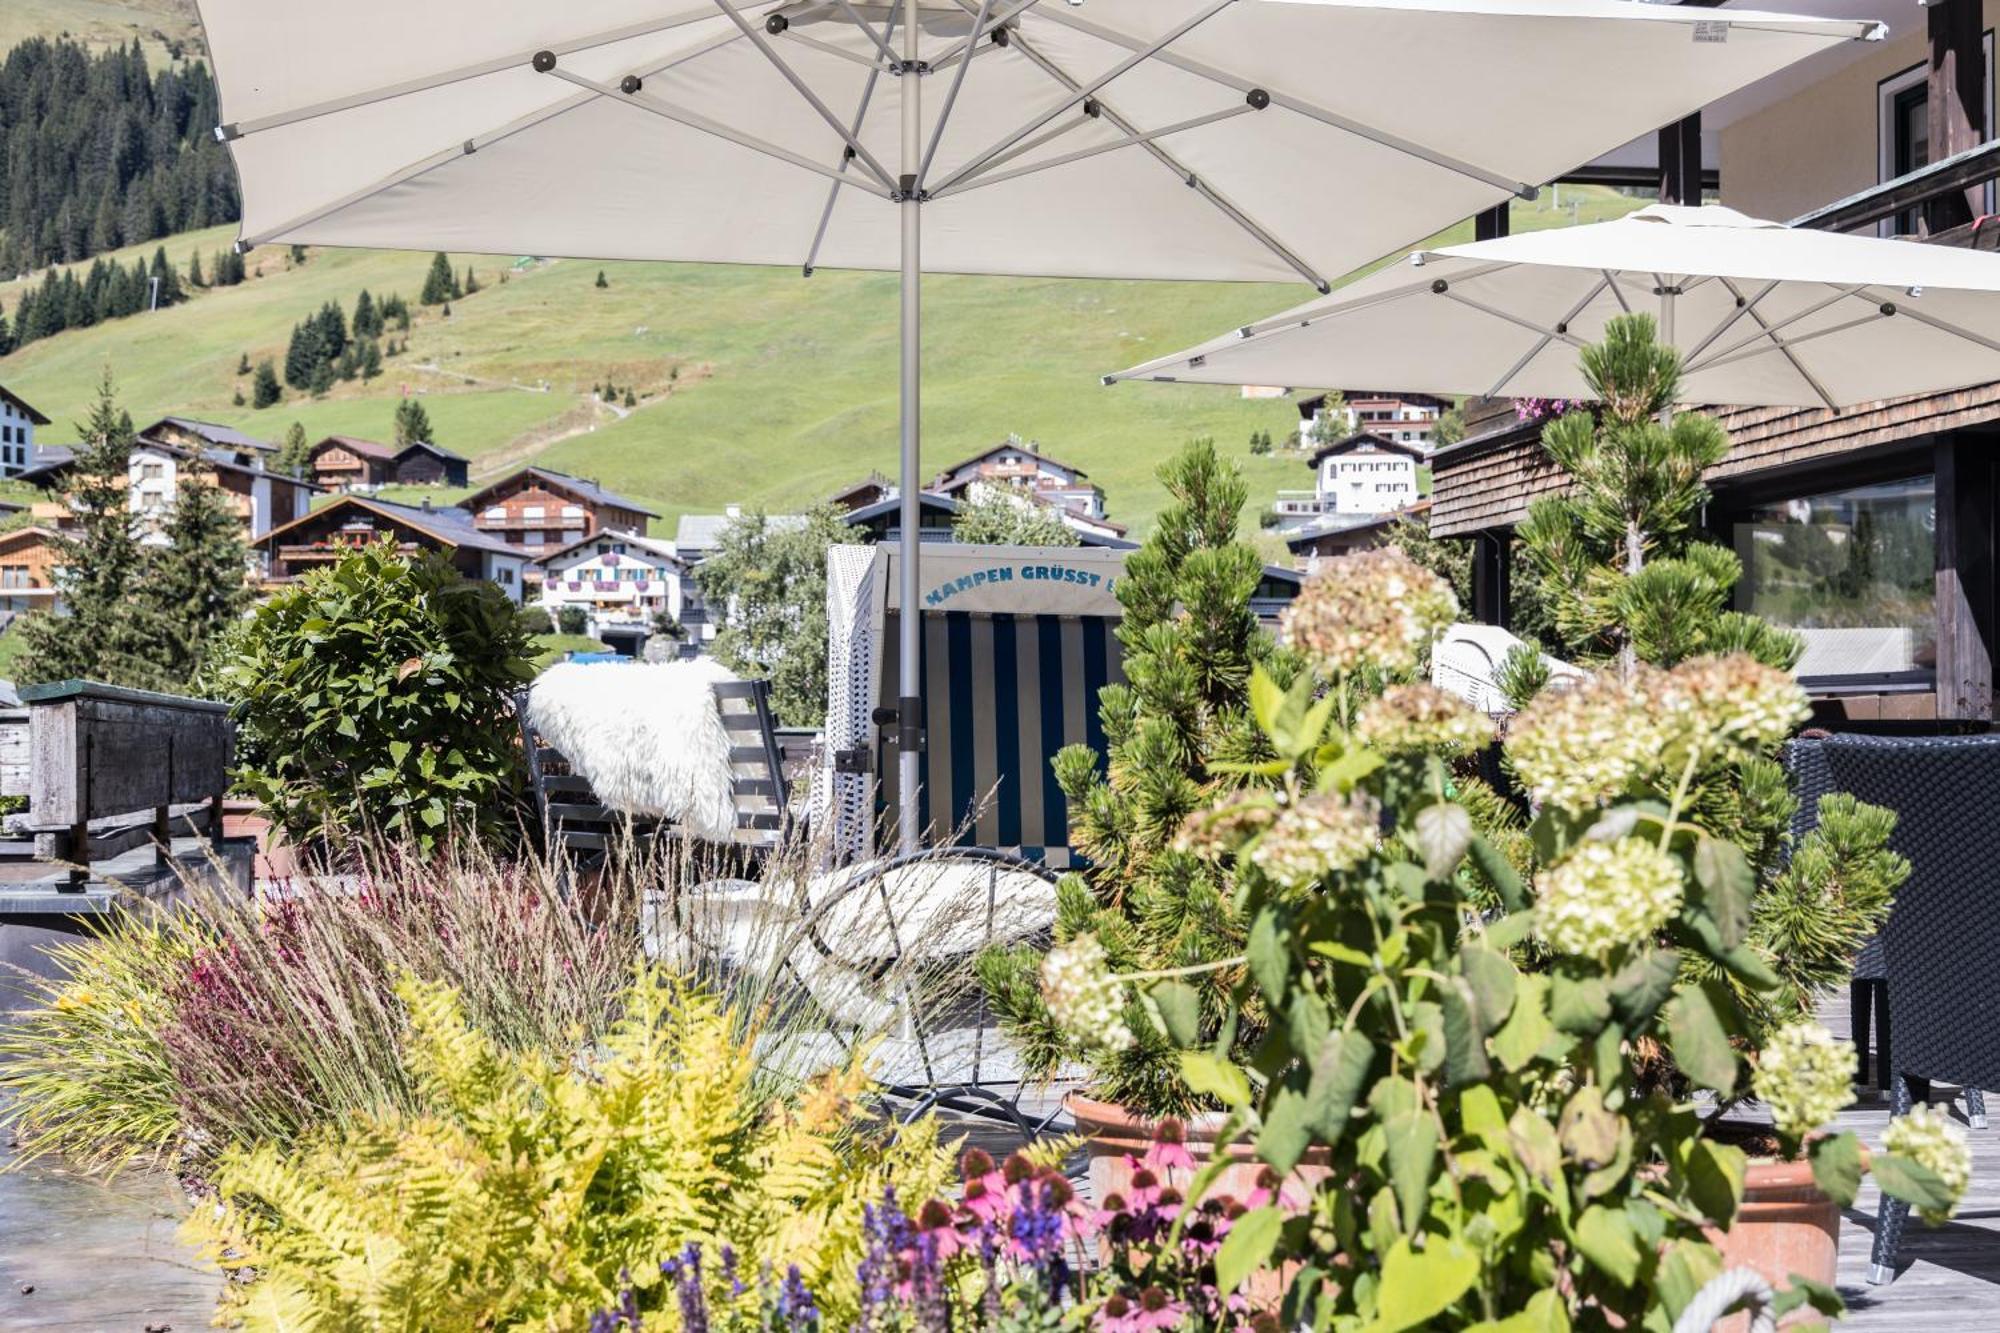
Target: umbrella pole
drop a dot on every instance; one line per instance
(909, 733)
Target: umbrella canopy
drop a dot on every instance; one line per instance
(714, 129)
(1763, 314)
(1114, 138)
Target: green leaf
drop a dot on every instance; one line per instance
(1544, 1313)
(1699, 1034)
(1247, 1247)
(1212, 1076)
(1178, 1007)
(1443, 832)
(1339, 1072)
(1412, 1143)
(1265, 699)
(1341, 953)
(1715, 1175)
(1728, 883)
(1527, 1030)
(1605, 1237)
(1587, 1131)
(1500, 873)
(1419, 1285)
(1534, 1140)
(1464, 1034)
(1685, 1268)
(1639, 988)
(1286, 1132)
(1269, 958)
(1912, 1182)
(1579, 1003)
(1348, 770)
(1492, 978)
(1804, 1292)
(1837, 1166)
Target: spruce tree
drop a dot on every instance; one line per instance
(367, 319)
(332, 331)
(294, 453)
(243, 364)
(197, 584)
(471, 282)
(600, 279)
(264, 388)
(169, 281)
(413, 424)
(108, 630)
(440, 284)
(371, 360)
(195, 278)
(322, 379)
(6, 335)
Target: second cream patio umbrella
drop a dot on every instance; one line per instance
(1191, 139)
(1763, 315)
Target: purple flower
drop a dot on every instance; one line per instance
(795, 1305)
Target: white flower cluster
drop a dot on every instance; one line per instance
(1607, 894)
(1805, 1077)
(1318, 836)
(1083, 997)
(1375, 609)
(1422, 717)
(1581, 746)
(1933, 1142)
(1217, 830)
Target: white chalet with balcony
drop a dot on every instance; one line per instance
(621, 580)
(17, 433)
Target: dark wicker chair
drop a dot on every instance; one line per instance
(1937, 948)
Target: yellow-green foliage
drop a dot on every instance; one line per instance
(529, 1183)
(89, 1075)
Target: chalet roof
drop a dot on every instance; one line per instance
(365, 448)
(655, 545)
(1366, 439)
(50, 461)
(1027, 447)
(12, 536)
(873, 481)
(582, 488)
(33, 415)
(435, 450)
(214, 433)
(452, 526)
(1329, 524)
(703, 532)
(222, 460)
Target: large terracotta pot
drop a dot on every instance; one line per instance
(1785, 1226)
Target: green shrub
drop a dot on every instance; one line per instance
(535, 620)
(375, 696)
(573, 620)
(529, 1186)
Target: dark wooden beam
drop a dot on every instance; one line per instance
(1490, 225)
(1956, 98)
(1975, 166)
(1680, 161)
(1965, 578)
(1492, 568)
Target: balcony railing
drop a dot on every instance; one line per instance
(1911, 191)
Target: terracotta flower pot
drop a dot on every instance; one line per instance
(1785, 1226)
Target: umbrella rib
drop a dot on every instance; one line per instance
(1742, 306)
(1616, 290)
(1771, 331)
(979, 179)
(951, 95)
(1296, 105)
(1341, 306)
(1784, 347)
(462, 73)
(1139, 55)
(794, 35)
(833, 190)
(812, 98)
(1509, 316)
(1942, 326)
(881, 43)
(1543, 342)
(696, 121)
(419, 167)
(962, 48)
(1229, 210)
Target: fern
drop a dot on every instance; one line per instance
(524, 1187)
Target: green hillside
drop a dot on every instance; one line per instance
(158, 24)
(755, 385)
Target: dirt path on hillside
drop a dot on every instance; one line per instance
(579, 420)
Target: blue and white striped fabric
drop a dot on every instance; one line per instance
(1002, 694)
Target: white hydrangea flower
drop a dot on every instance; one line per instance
(1607, 894)
(1733, 700)
(1083, 997)
(1805, 1076)
(1319, 836)
(1578, 747)
(1422, 717)
(1934, 1142)
(1373, 609)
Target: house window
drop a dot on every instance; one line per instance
(497, 511)
(1853, 571)
(531, 511)
(1903, 133)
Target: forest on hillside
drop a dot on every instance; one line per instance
(98, 151)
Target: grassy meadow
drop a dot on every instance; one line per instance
(753, 385)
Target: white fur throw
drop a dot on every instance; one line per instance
(648, 737)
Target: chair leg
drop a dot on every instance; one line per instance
(1883, 1072)
(1975, 1108)
(1893, 1214)
(1859, 993)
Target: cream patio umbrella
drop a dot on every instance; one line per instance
(1194, 139)
(1763, 314)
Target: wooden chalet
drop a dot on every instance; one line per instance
(1869, 530)
(536, 511)
(348, 521)
(342, 463)
(27, 569)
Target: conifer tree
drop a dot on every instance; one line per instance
(440, 284)
(108, 630)
(371, 360)
(264, 388)
(6, 335)
(367, 319)
(413, 424)
(243, 364)
(332, 331)
(600, 279)
(197, 584)
(294, 453)
(168, 279)
(471, 281)
(322, 379)
(195, 278)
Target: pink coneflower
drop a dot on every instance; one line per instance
(935, 1221)
(1169, 1151)
(1158, 1310)
(985, 1197)
(1270, 1187)
(1145, 1187)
